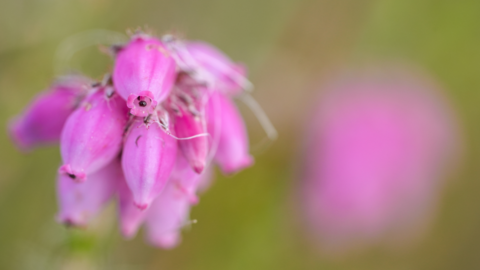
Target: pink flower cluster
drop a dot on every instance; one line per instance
(146, 134)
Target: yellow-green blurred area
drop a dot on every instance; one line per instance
(250, 220)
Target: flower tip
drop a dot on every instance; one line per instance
(128, 232)
(141, 206)
(71, 222)
(198, 167)
(193, 199)
(141, 105)
(234, 168)
(15, 133)
(76, 176)
(166, 241)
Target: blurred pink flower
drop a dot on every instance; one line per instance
(226, 126)
(42, 122)
(80, 202)
(209, 65)
(130, 216)
(227, 76)
(376, 152)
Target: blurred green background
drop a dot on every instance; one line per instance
(248, 221)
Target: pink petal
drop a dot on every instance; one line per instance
(228, 130)
(188, 125)
(144, 74)
(131, 217)
(148, 159)
(43, 120)
(80, 202)
(228, 77)
(92, 136)
(166, 217)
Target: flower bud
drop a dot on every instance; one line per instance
(92, 136)
(189, 122)
(43, 120)
(144, 73)
(148, 158)
(80, 202)
(227, 76)
(229, 133)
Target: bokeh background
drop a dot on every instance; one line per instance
(247, 221)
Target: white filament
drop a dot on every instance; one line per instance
(188, 138)
(177, 138)
(262, 118)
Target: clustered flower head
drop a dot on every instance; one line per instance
(146, 134)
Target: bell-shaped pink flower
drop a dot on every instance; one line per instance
(169, 213)
(148, 158)
(208, 65)
(219, 69)
(80, 202)
(186, 183)
(167, 216)
(43, 120)
(144, 73)
(376, 151)
(188, 118)
(131, 217)
(226, 126)
(187, 180)
(195, 149)
(92, 136)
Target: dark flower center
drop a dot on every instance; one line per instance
(142, 103)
